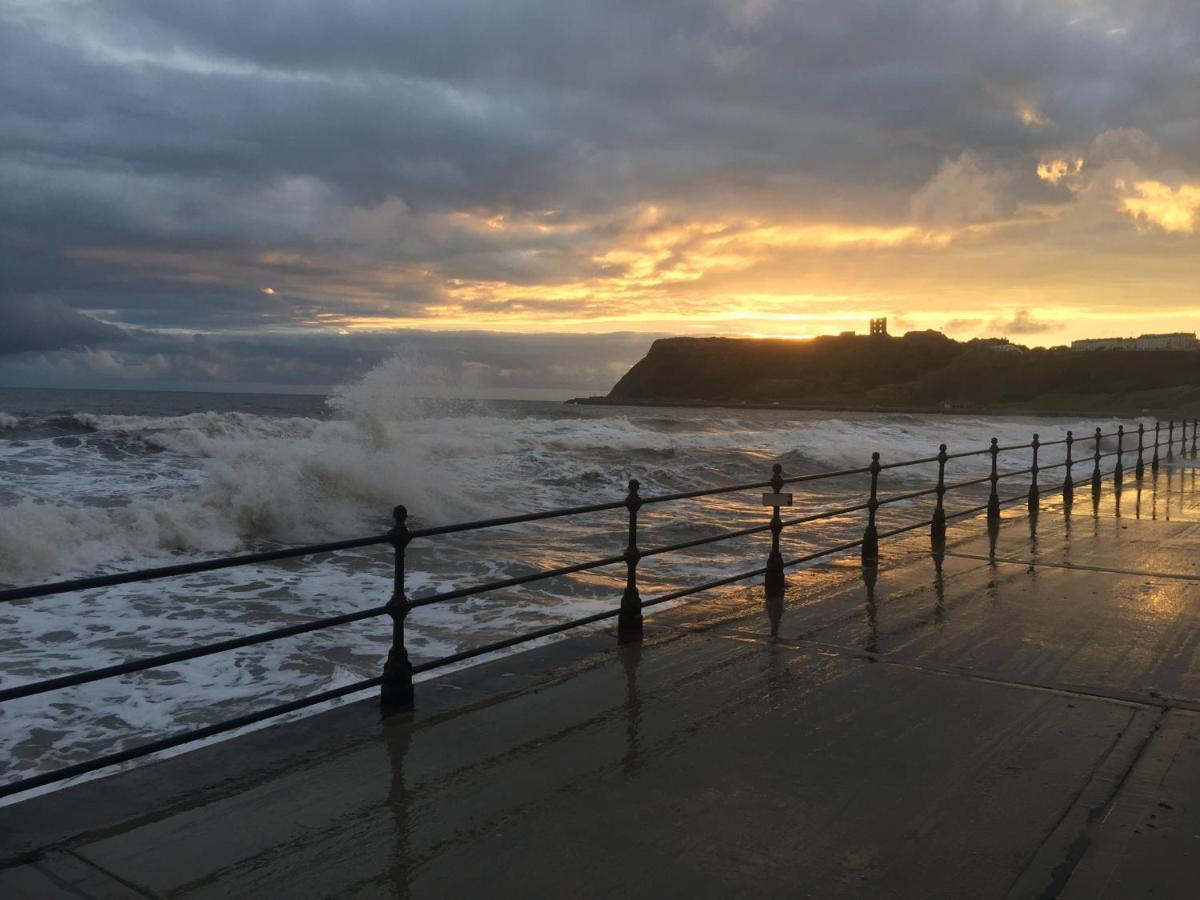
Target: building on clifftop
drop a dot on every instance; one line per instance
(1178, 340)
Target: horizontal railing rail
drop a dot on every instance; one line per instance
(396, 680)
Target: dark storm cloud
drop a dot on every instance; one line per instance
(162, 164)
(45, 324)
(466, 363)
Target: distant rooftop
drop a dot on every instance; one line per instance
(1177, 340)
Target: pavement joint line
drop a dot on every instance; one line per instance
(1091, 693)
(107, 873)
(50, 875)
(1085, 691)
(1180, 576)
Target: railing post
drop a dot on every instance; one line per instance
(993, 504)
(774, 580)
(1140, 470)
(1034, 494)
(1119, 468)
(870, 544)
(1183, 438)
(1154, 459)
(1069, 479)
(396, 691)
(1195, 423)
(1096, 480)
(1171, 439)
(937, 527)
(629, 620)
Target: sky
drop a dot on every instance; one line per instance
(521, 196)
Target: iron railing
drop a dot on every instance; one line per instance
(396, 680)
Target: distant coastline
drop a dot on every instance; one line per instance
(1030, 410)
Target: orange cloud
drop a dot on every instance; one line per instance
(1055, 170)
(1171, 209)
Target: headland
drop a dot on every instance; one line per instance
(920, 372)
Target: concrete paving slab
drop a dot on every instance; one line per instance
(1132, 636)
(709, 767)
(1106, 543)
(1122, 635)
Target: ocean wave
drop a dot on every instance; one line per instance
(217, 481)
(261, 479)
(26, 427)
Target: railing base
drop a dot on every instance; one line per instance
(774, 580)
(395, 698)
(629, 621)
(870, 546)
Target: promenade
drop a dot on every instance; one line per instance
(1011, 721)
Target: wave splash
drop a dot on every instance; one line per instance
(244, 480)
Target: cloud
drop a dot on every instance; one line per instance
(1124, 144)
(1125, 172)
(41, 324)
(577, 166)
(467, 363)
(962, 325)
(748, 15)
(1023, 322)
(1160, 205)
(963, 192)
(1017, 99)
(1056, 170)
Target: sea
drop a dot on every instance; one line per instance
(98, 481)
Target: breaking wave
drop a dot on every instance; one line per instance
(231, 480)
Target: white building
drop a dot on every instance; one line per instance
(1179, 340)
(999, 345)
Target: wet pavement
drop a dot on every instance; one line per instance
(1017, 718)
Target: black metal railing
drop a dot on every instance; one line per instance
(396, 680)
